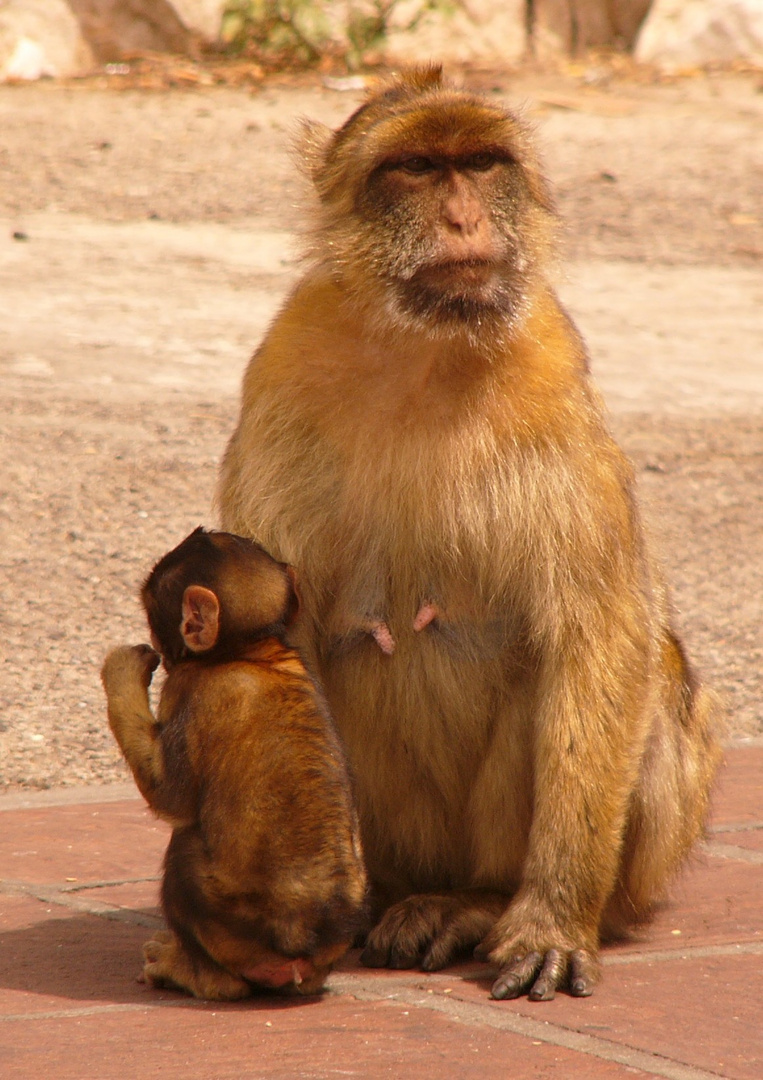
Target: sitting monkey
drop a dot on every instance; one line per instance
(264, 882)
(532, 750)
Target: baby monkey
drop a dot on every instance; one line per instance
(264, 884)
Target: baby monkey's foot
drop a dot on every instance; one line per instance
(167, 964)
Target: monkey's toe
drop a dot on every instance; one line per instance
(540, 975)
(168, 966)
(584, 973)
(518, 977)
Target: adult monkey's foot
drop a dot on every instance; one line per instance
(537, 957)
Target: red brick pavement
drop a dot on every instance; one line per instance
(78, 887)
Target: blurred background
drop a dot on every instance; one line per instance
(150, 212)
(70, 37)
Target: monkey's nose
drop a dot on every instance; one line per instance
(463, 213)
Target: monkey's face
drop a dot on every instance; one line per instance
(449, 241)
(437, 198)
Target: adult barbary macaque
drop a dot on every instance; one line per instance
(264, 883)
(420, 437)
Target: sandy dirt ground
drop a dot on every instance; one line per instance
(146, 240)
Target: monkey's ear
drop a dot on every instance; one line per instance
(200, 624)
(310, 146)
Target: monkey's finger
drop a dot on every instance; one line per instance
(404, 932)
(456, 938)
(149, 660)
(443, 949)
(551, 976)
(584, 973)
(516, 978)
(375, 956)
(149, 654)
(378, 950)
(400, 955)
(404, 958)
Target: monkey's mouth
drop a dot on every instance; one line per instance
(472, 279)
(461, 290)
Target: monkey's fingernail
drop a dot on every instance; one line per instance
(580, 988)
(505, 989)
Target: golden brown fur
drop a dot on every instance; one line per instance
(420, 438)
(264, 882)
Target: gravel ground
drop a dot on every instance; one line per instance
(153, 243)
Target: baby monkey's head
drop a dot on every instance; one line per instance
(215, 593)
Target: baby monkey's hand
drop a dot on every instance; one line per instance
(127, 665)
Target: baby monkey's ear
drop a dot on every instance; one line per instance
(200, 624)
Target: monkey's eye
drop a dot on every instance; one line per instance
(480, 162)
(417, 165)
